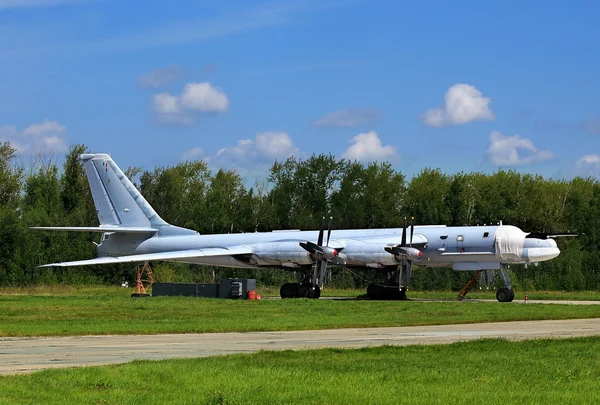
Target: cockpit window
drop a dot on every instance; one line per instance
(444, 237)
(486, 234)
(460, 238)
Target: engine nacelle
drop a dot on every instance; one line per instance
(369, 254)
(280, 253)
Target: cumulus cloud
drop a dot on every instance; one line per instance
(592, 125)
(195, 98)
(514, 151)
(193, 154)
(588, 165)
(160, 77)
(265, 147)
(250, 157)
(348, 117)
(45, 137)
(164, 103)
(463, 103)
(367, 147)
(204, 97)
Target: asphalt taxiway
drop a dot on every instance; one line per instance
(22, 355)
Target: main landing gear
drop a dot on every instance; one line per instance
(306, 287)
(297, 290)
(393, 286)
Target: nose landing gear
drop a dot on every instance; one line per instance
(505, 294)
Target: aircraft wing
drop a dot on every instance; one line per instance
(101, 229)
(173, 255)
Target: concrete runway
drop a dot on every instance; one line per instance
(21, 355)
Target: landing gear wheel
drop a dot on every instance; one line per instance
(289, 290)
(505, 295)
(377, 291)
(309, 291)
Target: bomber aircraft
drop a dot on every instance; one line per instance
(133, 232)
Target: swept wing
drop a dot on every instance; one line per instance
(173, 255)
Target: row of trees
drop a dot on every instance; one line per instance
(297, 194)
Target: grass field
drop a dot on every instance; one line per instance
(117, 313)
(327, 292)
(479, 372)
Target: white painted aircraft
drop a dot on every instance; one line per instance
(133, 232)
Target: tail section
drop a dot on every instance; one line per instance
(117, 201)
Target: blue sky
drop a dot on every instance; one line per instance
(461, 85)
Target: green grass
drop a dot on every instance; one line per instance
(326, 292)
(52, 315)
(491, 371)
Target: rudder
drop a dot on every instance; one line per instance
(116, 199)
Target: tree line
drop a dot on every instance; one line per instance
(297, 194)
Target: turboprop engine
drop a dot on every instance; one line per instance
(281, 253)
(403, 253)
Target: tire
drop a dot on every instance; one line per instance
(309, 291)
(289, 290)
(316, 292)
(385, 292)
(374, 291)
(505, 295)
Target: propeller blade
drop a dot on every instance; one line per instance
(321, 270)
(408, 272)
(329, 227)
(412, 230)
(396, 250)
(403, 243)
(321, 230)
(311, 247)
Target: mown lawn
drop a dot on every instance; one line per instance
(491, 371)
(47, 315)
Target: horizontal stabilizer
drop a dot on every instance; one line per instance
(167, 256)
(102, 229)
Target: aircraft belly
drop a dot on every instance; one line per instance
(224, 261)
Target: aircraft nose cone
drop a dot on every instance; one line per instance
(541, 254)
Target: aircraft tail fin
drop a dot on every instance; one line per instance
(117, 201)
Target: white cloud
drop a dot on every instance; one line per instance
(164, 103)
(160, 77)
(45, 137)
(367, 147)
(264, 148)
(514, 151)
(196, 97)
(348, 117)
(249, 157)
(463, 103)
(204, 97)
(592, 125)
(588, 165)
(193, 154)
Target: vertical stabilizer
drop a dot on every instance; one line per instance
(117, 200)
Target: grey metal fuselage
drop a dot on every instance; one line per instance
(462, 248)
